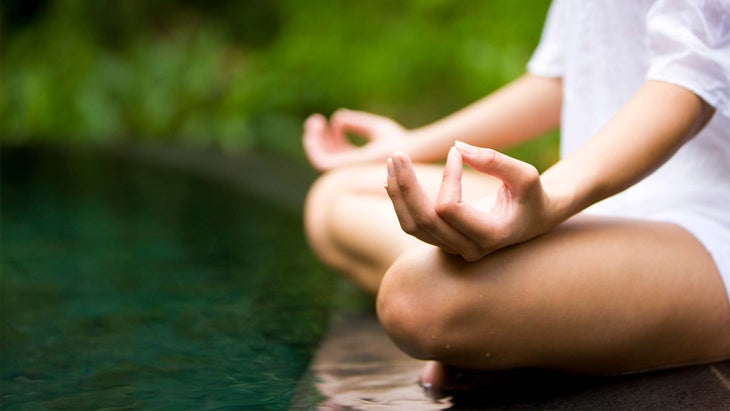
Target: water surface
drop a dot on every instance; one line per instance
(129, 286)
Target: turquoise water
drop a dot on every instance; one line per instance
(127, 286)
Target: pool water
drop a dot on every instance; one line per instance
(130, 286)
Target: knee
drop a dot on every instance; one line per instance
(318, 198)
(318, 209)
(419, 305)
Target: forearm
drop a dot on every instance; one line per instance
(524, 109)
(647, 131)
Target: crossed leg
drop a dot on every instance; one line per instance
(595, 295)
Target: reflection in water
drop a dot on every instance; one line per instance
(358, 368)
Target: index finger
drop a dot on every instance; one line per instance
(427, 223)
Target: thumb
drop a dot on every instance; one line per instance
(514, 173)
(359, 122)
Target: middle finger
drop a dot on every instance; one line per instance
(406, 220)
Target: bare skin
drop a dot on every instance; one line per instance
(501, 270)
(340, 204)
(351, 223)
(584, 299)
(588, 297)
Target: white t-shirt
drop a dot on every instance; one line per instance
(604, 50)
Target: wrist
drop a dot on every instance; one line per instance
(425, 145)
(562, 200)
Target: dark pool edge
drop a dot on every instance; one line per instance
(276, 178)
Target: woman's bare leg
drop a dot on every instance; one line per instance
(596, 295)
(351, 224)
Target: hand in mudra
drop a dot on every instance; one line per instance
(327, 146)
(518, 211)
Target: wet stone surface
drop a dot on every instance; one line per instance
(357, 368)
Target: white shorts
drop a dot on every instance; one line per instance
(714, 236)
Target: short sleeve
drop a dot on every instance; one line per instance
(689, 45)
(548, 60)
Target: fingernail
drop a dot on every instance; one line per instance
(464, 148)
(391, 169)
(397, 163)
(312, 120)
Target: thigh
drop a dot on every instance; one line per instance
(595, 295)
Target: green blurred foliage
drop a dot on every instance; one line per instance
(240, 74)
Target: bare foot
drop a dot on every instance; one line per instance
(438, 379)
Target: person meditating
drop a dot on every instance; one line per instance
(616, 259)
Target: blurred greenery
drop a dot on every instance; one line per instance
(237, 75)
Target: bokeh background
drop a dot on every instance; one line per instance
(242, 75)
